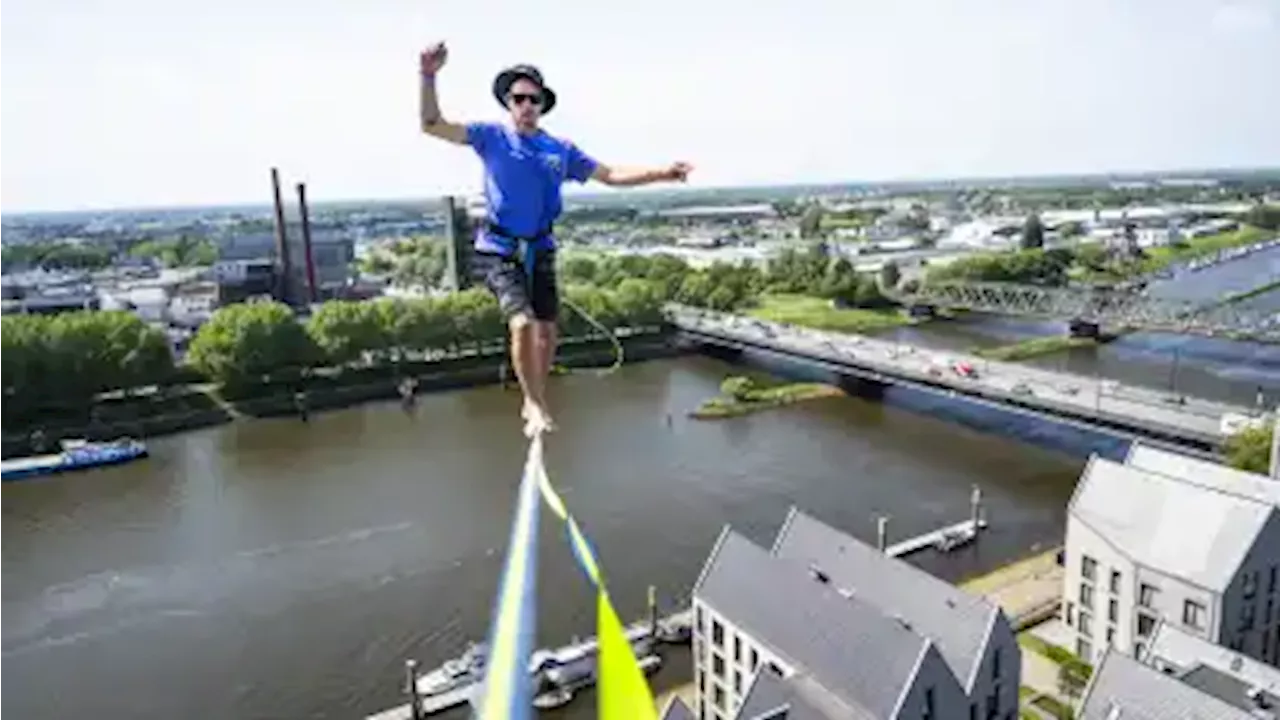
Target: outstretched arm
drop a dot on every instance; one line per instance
(433, 122)
(629, 177)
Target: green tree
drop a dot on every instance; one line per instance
(579, 270)
(251, 343)
(738, 387)
(1264, 216)
(347, 331)
(1250, 449)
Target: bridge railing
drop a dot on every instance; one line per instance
(1108, 308)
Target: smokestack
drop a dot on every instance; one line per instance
(282, 242)
(307, 254)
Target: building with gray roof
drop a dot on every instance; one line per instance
(829, 627)
(1163, 537)
(1123, 688)
(1232, 677)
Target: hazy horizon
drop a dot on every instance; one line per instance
(150, 104)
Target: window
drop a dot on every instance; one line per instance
(737, 648)
(1111, 637)
(973, 711)
(993, 705)
(1071, 613)
(1267, 619)
(1115, 582)
(718, 697)
(698, 621)
(1086, 624)
(1146, 595)
(995, 665)
(1146, 624)
(1247, 617)
(1086, 597)
(755, 659)
(1271, 584)
(717, 666)
(702, 682)
(1084, 650)
(928, 704)
(1089, 568)
(1113, 610)
(1137, 651)
(717, 633)
(737, 681)
(1192, 614)
(1250, 584)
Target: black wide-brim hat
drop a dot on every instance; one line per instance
(502, 85)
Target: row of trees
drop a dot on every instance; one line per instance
(65, 361)
(728, 287)
(182, 251)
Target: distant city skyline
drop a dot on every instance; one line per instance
(144, 104)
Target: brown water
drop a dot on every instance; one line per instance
(279, 569)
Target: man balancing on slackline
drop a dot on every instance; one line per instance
(524, 168)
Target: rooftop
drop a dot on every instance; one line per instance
(1145, 515)
(1124, 689)
(1204, 473)
(956, 621)
(773, 697)
(823, 633)
(1214, 669)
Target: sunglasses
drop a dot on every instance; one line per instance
(519, 98)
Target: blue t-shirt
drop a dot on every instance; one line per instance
(522, 179)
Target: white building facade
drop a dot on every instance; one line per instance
(1168, 538)
(835, 625)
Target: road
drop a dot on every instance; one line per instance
(1092, 397)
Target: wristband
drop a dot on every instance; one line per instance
(428, 77)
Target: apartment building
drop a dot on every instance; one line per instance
(1166, 537)
(823, 625)
(1182, 677)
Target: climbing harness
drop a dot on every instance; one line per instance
(530, 257)
(508, 693)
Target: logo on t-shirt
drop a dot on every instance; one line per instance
(552, 161)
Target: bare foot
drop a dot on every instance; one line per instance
(536, 419)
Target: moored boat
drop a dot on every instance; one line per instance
(75, 455)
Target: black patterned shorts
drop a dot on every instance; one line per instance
(536, 294)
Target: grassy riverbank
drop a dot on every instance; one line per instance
(820, 314)
(1033, 347)
(178, 408)
(741, 396)
(1249, 294)
(1158, 258)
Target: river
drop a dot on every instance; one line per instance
(279, 569)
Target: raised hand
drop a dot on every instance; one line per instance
(433, 58)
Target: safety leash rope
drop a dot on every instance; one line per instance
(623, 691)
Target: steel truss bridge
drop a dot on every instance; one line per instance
(1105, 309)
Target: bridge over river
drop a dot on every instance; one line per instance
(1097, 404)
(1089, 310)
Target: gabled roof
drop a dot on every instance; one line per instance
(957, 622)
(1146, 514)
(849, 647)
(677, 710)
(1204, 473)
(799, 697)
(1124, 689)
(1214, 669)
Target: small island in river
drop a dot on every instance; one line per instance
(741, 395)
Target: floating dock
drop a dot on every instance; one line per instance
(575, 662)
(944, 539)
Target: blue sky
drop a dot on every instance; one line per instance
(158, 102)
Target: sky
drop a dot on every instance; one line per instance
(127, 103)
